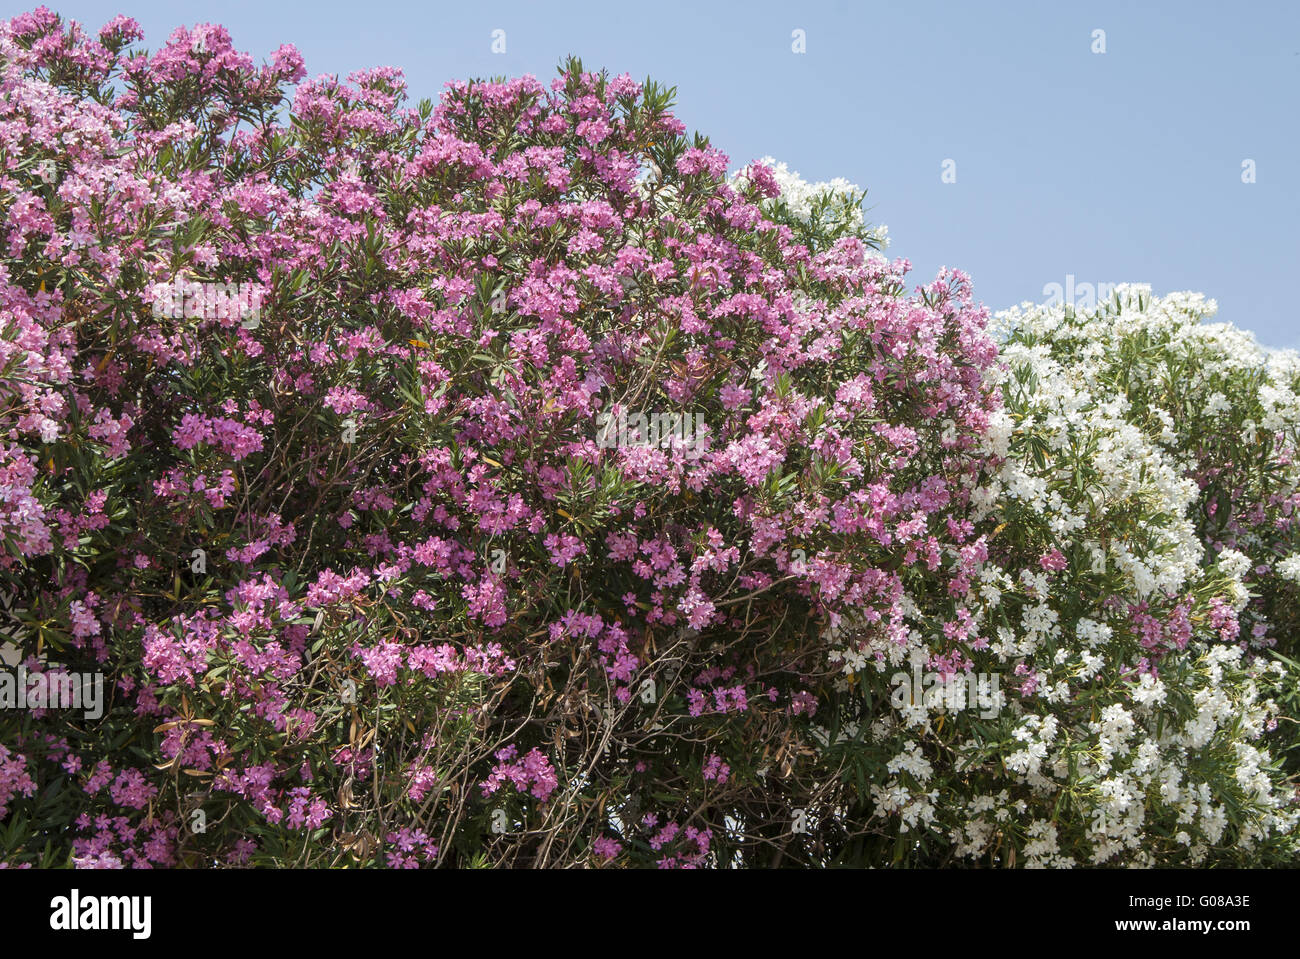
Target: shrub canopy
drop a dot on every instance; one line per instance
(502, 483)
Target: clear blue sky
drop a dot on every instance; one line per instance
(1122, 166)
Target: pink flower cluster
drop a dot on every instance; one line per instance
(532, 773)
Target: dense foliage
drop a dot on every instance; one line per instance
(502, 483)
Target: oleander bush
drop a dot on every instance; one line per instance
(501, 482)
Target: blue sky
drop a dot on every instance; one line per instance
(1111, 167)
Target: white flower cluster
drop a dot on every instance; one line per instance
(801, 198)
(1073, 438)
(1096, 757)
